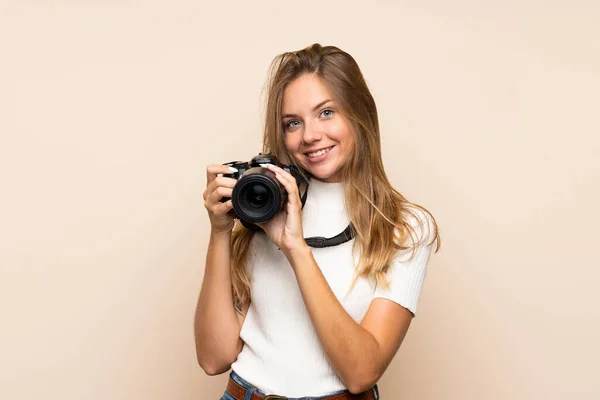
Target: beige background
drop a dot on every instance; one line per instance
(110, 111)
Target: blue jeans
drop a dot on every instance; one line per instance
(253, 389)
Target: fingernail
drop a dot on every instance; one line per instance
(265, 165)
(232, 169)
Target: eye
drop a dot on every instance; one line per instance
(291, 124)
(327, 113)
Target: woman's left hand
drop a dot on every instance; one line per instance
(285, 228)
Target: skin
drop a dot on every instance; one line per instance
(359, 353)
(312, 121)
(217, 324)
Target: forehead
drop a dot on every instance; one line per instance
(303, 93)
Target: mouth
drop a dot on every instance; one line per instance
(318, 153)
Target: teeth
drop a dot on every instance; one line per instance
(319, 153)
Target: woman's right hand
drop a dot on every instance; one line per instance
(218, 187)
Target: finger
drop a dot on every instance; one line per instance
(283, 173)
(289, 183)
(219, 193)
(276, 169)
(222, 208)
(219, 181)
(214, 169)
(211, 172)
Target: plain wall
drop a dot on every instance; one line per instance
(111, 110)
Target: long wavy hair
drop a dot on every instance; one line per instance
(378, 212)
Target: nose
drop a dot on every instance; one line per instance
(312, 133)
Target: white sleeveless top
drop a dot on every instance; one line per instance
(282, 353)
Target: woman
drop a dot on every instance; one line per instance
(296, 321)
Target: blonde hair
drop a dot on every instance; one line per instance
(379, 214)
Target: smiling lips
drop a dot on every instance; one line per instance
(318, 153)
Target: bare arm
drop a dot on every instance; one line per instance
(217, 323)
(359, 353)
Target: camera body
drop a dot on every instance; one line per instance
(258, 195)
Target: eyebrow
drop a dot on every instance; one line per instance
(321, 104)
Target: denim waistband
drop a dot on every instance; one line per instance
(249, 386)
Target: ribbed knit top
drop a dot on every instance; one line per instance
(282, 353)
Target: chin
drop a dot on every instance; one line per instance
(319, 174)
(325, 176)
(322, 173)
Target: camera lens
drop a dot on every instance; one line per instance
(257, 196)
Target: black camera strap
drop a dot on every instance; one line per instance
(316, 241)
(320, 242)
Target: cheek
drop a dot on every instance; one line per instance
(341, 130)
(350, 141)
(288, 143)
(292, 145)
(345, 136)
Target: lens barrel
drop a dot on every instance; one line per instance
(258, 196)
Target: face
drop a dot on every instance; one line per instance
(315, 132)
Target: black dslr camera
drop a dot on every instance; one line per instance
(258, 195)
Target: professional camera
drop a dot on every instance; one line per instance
(258, 195)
